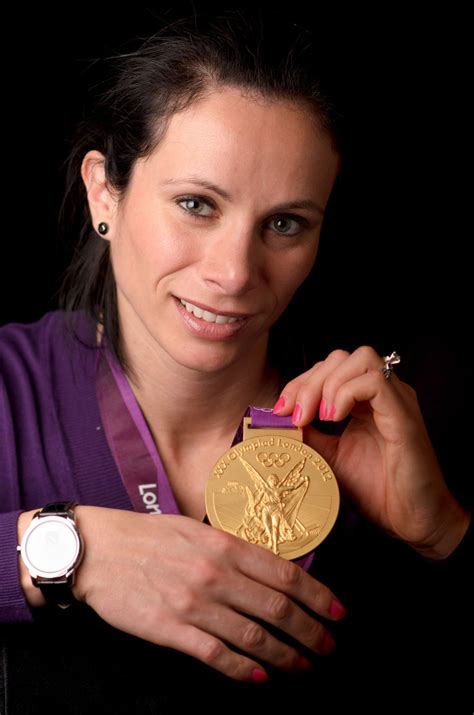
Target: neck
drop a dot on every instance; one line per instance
(182, 404)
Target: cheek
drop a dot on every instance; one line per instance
(293, 271)
(146, 251)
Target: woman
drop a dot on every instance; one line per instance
(202, 180)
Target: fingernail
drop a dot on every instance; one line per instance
(296, 416)
(322, 410)
(259, 676)
(303, 663)
(279, 404)
(329, 644)
(332, 412)
(336, 609)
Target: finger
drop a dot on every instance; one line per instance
(323, 390)
(309, 385)
(388, 405)
(216, 654)
(286, 577)
(253, 638)
(277, 608)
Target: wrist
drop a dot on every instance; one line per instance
(51, 549)
(78, 589)
(450, 536)
(92, 522)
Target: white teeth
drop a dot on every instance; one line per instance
(207, 315)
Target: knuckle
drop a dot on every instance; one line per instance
(289, 660)
(366, 352)
(224, 544)
(338, 354)
(319, 598)
(289, 574)
(314, 634)
(253, 635)
(212, 651)
(207, 573)
(279, 607)
(291, 386)
(184, 602)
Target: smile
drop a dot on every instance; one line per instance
(208, 316)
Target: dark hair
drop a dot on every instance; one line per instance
(267, 56)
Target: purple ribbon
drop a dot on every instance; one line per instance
(134, 450)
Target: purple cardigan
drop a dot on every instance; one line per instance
(52, 444)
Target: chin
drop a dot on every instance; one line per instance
(206, 360)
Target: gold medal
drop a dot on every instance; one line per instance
(273, 490)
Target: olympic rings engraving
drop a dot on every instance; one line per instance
(273, 459)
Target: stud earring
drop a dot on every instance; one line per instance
(103, 228)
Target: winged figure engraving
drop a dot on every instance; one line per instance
(271, 513)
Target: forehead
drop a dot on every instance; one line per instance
(236, 138)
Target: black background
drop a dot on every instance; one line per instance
(394, 268)
(394, 265)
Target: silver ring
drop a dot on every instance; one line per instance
(388, 362)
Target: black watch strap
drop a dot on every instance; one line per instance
(58, 591)
(61, 508)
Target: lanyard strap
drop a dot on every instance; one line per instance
(134, 451)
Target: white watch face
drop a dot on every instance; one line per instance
(50, 546)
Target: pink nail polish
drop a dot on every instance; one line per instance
(322, 410)
(336, 609)
(332, 412)
(329, 644)
(303, 663)
(279, 404)
(296, 416)
(259, 676)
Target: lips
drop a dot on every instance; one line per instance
(208, 329)
(215, 311)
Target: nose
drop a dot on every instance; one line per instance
(233, 261)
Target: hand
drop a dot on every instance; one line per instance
(384, 459)
(182, 584)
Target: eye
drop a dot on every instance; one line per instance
(195, 200)
(301, 222)
(286, 218)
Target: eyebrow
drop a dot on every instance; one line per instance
(286, 206)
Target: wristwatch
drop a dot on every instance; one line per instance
(51, 549)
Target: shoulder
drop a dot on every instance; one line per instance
(36, 341)
(27, 339)
(39, 352)
(24, 348)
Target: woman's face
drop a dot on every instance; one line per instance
(229, 248)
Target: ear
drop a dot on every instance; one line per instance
(102, 203)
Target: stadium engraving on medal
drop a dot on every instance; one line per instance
(273, 490)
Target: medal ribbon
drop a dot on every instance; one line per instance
(134, 450)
